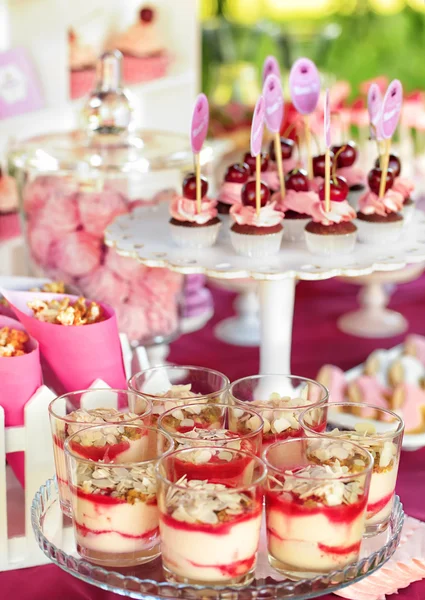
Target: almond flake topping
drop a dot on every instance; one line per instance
(383, 451)
(97, 416)
(177, 395)
(214, 503)
(218, 437)
(276, 421)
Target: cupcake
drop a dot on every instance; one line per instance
(252, 234)
(230, 190)
(297, 204)
(379, 220)
(8, 194)
(82, 62)
(345, 156)
(271, 176)
(189, 228)
(332, 232)
(144, 55)
(404, 186)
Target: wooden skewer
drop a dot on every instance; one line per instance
(258, 183)
(385, 159)
(308, 147)
(198, 182)
(278, 152)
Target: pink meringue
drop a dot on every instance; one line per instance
(247, 215)
(133, 320)
(60, 214)
(105, 286)
(300, 202)
(340, 212)
(183, 209)
(123, 266)
(353, 175)
(98, 210)
(371, 204)
(40, 240)
(230, 193)
(404, 186)
(77, 254)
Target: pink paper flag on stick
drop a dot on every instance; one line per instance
(304, 85)
(327, 121)
(273, 101)
(374, 103)
(20, 378)
(391, 109)
(77, 355)
(271, 67)
(200, 120)
(257, 127)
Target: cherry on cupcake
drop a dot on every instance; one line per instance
(297, 180)
(319, 164)
(394, 164)
(248, 194)
(338, 189)
(345, 154)
(251, 161)
(237, 173)
(147, 14)
(189, 186)
(374, 179)
(286, 148)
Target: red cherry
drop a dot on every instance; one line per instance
(237, 173)
(319, 164)
(348, 155)
(297, 180)
(286, 148)
(394, 164)
(147, 14)
(251, 160)
(249, 194)
(338, 190)
(189, 186)
(374, 179)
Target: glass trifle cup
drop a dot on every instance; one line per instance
(279, 400)
(78, 410)
(378, 430)
(114, 505)
(315, 504)
(210, 525)
(170, 386)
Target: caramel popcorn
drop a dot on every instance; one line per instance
(55, 287)
(63, 312)
(12, 342)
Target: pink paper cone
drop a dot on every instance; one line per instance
(20, 377)
(76, 355)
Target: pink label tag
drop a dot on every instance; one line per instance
(200, 120)
(273, 100)
(304, 85)
(374, 102)
(257, 127)
(391, 109)
(271, 67)
(327, 120)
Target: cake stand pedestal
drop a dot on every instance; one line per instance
(144, 235)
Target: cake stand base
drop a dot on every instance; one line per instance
(372, 323)
(245, 328)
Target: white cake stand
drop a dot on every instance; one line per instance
(144, 235)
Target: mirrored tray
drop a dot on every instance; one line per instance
(55, 537)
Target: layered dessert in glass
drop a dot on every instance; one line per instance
(209, 520)
(376, 429)
(114, 505)
(279, 400)
(316, 498)
(76, 411)
(170, 386)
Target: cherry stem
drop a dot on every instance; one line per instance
(316, 141)
(335, 163)
(289, 130)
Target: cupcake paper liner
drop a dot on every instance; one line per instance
(327, 245)
(139, 69)
(408, 213)
(379, 233)
(195, 237)
(256, 246)
(77, 355)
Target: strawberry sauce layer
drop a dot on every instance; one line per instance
(219, 529)
(239, 567)
(103, 498)
(340, 550)
(58, 442)
(216, 470)
(97, 453)
(84, 531)
(291, 506)
(375, 507)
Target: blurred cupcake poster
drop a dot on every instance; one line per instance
(20, 89)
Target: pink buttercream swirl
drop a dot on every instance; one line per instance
(183, 209)
(404, 186)
(340, 212)
(230, 193)
(315, 183)
(247, 215)
(141, 39)
(371, 204)
(354, 175)
(271, 176)
(300, 202)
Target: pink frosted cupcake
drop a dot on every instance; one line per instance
(8, 194)
(230, 190)
(404, 186)
(345, 156)
(379, 219)
(297, 205)
(252, 234)
(189, 228)
(144, 55)
(82, 61)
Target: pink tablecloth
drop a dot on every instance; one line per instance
(316, 340)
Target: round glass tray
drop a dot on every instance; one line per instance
(55, 537)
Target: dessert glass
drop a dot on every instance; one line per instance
(316, 497)
(279, 400)
(114, 506)
(77, 410)
(378, 430)
(170, 386)
(210, 520)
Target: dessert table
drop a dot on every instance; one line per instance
(316, 340)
